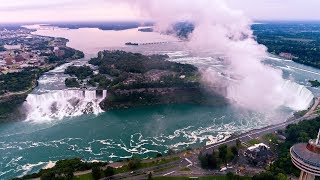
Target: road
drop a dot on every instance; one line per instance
(173, 168)
(315, 105)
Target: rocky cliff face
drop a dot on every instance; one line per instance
(121, 99)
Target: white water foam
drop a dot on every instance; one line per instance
(63, 103)
(304, 97)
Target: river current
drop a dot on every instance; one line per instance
(29, 145)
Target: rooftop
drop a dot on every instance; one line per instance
(257, 146)
(304, 154)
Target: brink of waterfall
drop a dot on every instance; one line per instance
(63, 103)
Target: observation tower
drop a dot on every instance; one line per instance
(306, 157)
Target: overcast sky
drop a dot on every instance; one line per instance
(84, 10)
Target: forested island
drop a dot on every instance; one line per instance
(133, 79)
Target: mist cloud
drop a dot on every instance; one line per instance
(220, 30)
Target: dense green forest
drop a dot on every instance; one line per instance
(64, 169)
(134, 79)
(122, 61)
(301, 39)
(72, 83)
(81, 72)
(19, 81)
(125, 70)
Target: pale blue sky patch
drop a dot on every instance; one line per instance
(84, 10)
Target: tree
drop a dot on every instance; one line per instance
(208, 161)
(96, 173)
(238, 143)
(234, 150)
(229, 176)
(68, 174)
(264, 176)
(150, 176)
(223, 150)
(281, 176)
(134, 163)
(159, 155)
(109, 171)
(72, 82)
(203, 161)
(47, 176)
(80, 72)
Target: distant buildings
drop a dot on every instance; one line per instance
(21, 49)
(306, 157)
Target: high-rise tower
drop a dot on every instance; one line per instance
(306, 157)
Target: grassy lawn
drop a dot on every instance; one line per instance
(166, 168)
(185, 169)
(254, 141)
(83, 177)
(157, 162)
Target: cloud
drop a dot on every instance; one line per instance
(17, 11)
(15, 5)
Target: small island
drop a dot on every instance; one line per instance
(131, 44)
(314, 83)
(134, 80)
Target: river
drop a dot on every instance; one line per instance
(27, 146)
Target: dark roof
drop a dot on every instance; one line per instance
(301, 152)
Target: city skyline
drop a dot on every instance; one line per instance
(15, 11)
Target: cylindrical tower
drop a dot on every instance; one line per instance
(306, 157)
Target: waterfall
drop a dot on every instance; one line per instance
(63, 103)
(303, 97)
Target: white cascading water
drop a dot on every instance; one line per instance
(304, 97)
(63, 103)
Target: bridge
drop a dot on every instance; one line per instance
(150, 43)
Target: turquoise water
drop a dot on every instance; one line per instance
(27, 146)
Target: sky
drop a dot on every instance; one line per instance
(106, 10)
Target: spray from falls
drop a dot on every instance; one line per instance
(226, 33)
(63, 103)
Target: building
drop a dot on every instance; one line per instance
(13, 47)
(306, 157)
(59, 53)
(286, 55)
(9, 60)
(19, 58)
(259, 154)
